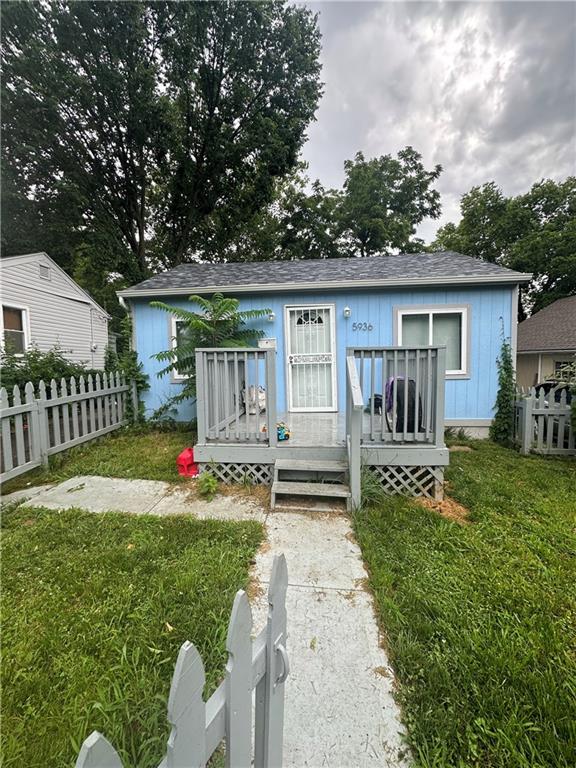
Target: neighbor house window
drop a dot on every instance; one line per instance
(179, 333)
(14, 324)
(442, 327)
(563, 369)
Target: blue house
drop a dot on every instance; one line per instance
(436, 320)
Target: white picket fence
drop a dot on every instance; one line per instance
(544, 425)
(198, 727)
(42, 422)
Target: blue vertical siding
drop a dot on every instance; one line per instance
(466, 399)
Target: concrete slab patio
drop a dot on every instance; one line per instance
(340, 709)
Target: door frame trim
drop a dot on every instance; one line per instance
(332, 308)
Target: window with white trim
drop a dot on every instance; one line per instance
(14, 328)
(437, 328)
(179, 332)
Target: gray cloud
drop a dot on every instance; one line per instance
(486, 89)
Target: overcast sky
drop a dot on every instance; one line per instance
(485, 89)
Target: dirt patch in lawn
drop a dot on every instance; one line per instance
(448, 508)
(257, 492)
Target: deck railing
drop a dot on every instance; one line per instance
(393, 395)
(236, 395)
(403, 394)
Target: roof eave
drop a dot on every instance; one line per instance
(548, 351)
(513, 278)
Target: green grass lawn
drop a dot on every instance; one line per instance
(129, 453)
(480, 618)
(94, 610)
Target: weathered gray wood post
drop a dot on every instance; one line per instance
(43, 429)
(33, 422)
(440, 395)
(271, 396)
(527, 435)
(201, 395)
(269, 731)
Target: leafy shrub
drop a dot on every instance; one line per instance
(36, 366)
(207, 486)
(219, 323)
(502, 427)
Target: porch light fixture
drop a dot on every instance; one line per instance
(271, 317)
(347, 311)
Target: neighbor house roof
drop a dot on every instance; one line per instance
(83, 295)
(550, 330)
(439, 268)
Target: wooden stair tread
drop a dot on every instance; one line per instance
(310, 489)
(312, 466)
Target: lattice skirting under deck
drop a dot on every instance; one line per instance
(411, 481)
(256, 474)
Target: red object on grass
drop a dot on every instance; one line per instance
(186, 464)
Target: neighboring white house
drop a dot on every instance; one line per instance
(43, 307)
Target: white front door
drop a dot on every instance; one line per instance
(311, 352)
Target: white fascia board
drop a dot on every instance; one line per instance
(560, 351)
(513, 279)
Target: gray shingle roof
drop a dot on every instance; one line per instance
(553, 328)
(443, 266)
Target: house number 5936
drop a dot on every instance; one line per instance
(362, 326)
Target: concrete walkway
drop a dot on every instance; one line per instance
(340, 711)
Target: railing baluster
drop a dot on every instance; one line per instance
(406, 396)
(394, 393)
(237, 396)
(417, 397)
(429, 385)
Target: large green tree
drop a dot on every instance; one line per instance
(139, 119)
(533, 232)
(384, 200)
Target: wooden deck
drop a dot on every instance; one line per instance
(236, 443)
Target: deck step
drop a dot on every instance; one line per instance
(287, 487)
(303, 465)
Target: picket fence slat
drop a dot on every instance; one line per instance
(57, 417)
(97, 752)
(199, 727)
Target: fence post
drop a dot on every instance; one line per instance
(527, 425)
(269, 726)
(43, 432)
(135, 401)
(440, 395)
(271, 397)
(201, 394)
(33, 420)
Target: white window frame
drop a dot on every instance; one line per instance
(442, 309)
(25, 324)
(173, 323)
